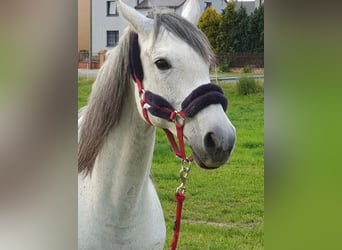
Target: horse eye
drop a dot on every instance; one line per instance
(162, 64)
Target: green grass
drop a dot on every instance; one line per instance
(224, 208)
(84, 88)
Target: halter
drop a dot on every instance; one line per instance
(156, 105)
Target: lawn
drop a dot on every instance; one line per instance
(84, 88)
(224, 208)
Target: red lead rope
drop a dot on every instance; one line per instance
(180, 197)
(179, 151)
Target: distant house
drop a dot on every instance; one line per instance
(258, 3)
(107, 26)
(100, 26)
(146, 7)
(249, 5)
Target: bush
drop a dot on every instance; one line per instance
(224, 66)
(259, 86)
(247, 69)
(246, 86)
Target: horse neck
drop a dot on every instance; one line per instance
(122, 170)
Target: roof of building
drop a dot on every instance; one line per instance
(147, 4)
(249, 5)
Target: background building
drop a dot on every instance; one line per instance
(107, 26)
(100, 26)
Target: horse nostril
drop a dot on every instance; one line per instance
(218, 149)
(210, 142)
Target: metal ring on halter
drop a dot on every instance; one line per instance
(179, 119)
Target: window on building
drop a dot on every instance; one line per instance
(112, 38)
(111, 8)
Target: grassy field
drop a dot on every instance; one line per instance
(224, 208)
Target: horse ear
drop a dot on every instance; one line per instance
(140, 24)
(192, 11)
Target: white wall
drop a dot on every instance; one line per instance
(101, 23)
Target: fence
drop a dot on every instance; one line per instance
(96, 59)
(241, 59)
(233, 59)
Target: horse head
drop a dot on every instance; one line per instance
(171, 57)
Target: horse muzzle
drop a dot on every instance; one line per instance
(214, 147)
(216, 152)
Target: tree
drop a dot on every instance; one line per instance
(228, 29)
(234, 30)
(208, 23)
(241, 36)
(255, 30)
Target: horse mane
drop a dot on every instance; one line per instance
(103, 111)
(113, 84)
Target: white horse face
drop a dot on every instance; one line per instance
(173, 69)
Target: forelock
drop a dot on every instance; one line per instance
(187, 32)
